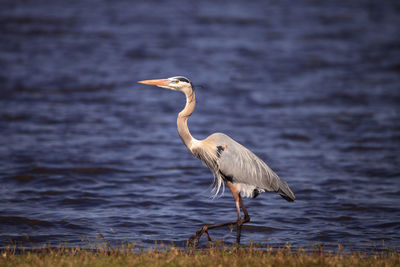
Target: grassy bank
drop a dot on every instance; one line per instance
(215, 255)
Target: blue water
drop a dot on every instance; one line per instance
(312, 87)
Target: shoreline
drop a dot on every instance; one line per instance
(214, 254)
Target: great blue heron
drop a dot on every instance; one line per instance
(243, 172)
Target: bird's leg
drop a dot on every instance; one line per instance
(236, 196)
(240, 220)
(238, 223)
(246, 215)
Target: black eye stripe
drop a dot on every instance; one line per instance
(183, 79)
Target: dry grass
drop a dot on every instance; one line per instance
(214, 255)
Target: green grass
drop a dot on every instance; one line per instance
(213, 255)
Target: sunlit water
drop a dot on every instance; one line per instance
(311, 87)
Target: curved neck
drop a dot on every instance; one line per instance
(183, 116)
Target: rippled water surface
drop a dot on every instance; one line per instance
(312, 87)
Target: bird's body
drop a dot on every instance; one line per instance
(235, 163)
(231, 163)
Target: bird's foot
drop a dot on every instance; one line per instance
(198, 234)
(206, 227)
(240, 222)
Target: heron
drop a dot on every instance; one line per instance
(232, 164)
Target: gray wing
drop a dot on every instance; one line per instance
(242, 166)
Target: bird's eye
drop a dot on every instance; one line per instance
(176, 81)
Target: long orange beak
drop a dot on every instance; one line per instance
(159, 82)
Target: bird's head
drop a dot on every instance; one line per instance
(177, 83)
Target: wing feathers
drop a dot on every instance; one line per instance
(245, 167)
(285, 192)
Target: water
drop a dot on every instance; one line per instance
(311, 87)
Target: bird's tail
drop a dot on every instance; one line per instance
(285, 191)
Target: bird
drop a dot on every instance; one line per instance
(232, 164)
